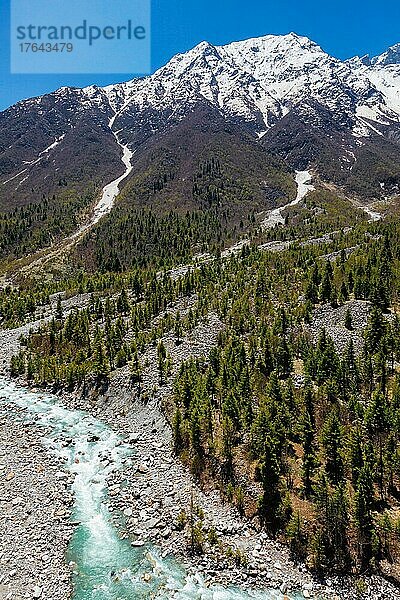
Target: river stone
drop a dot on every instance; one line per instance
(137, 544)
(308, 586)
(10, 476)
(152, 523)
(37, 592)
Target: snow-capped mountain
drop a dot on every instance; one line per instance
(287, 93)
(384, 74)
(260, 80)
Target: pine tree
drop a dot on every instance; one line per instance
(344, 293)
(326, 283)
(228, 440)
(101, 365)
(297, 537)
(363, 504)
(283, 359)
(177, 431)
(375, 330)
(123, 302)
(178, 329)
(311, 292)
(309, 460)
(59, 310)
(356, 458)
(270, 502)
(135, 369)
(333, 521)
(348, 320)
(331, 438)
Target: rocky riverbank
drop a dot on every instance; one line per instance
(155, 490)
(149, 498)
(34, 515)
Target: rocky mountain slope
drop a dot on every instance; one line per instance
(281, 98)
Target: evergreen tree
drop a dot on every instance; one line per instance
(309, 459)
(177, 431)
(270, 502)
(332, 435)
(326, 283)
(348, 321)
(375, 330)
(363, 505)
(59, 310)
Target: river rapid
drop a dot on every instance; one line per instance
(104, 565)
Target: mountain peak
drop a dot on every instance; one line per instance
(271, 42)
(253, 84)
(258, 80)
(390, 57)
(359, 61)
(203, 46)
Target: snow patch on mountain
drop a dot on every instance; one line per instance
(304, 185)
(256, 82)
(111, 191)
(383, 72)
(387, 80)
(31, 163)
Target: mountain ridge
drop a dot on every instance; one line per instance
(339, 118)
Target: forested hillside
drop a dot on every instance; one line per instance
(292, 427)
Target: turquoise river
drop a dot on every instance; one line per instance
(107, 567)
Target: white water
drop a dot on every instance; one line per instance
(304, 185)
(107, 567)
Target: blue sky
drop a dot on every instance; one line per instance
(342, 27)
